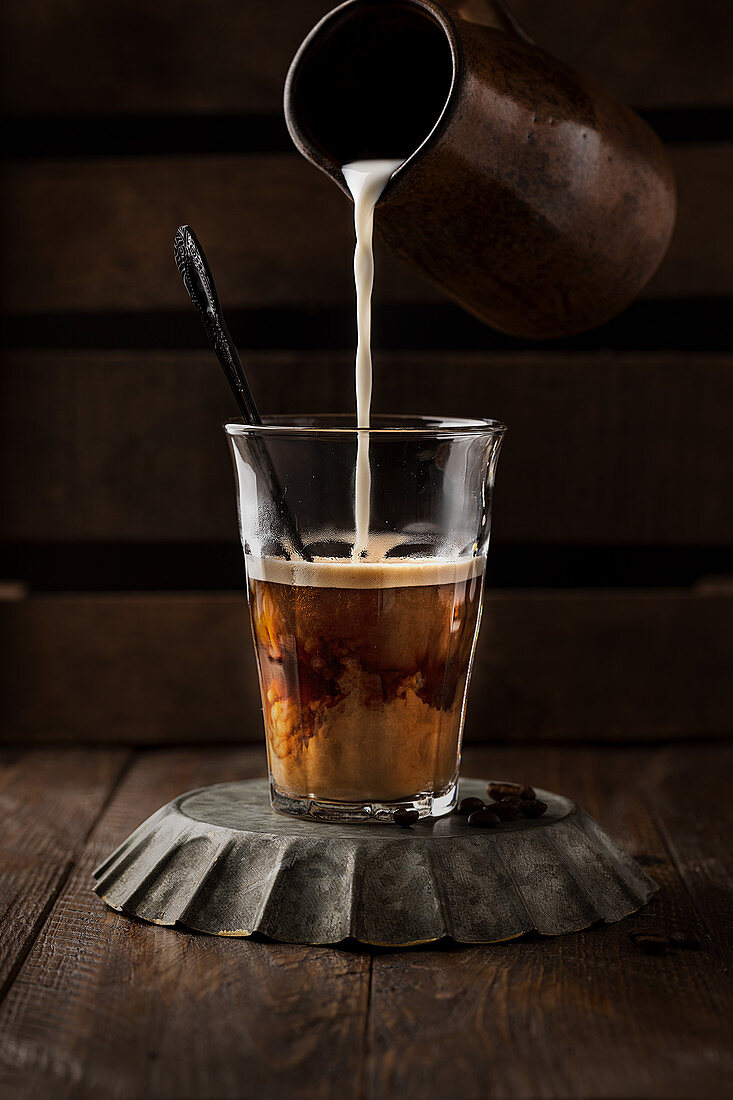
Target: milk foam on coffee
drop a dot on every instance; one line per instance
(338, 573)
(366, 179)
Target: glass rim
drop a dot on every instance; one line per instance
(330, 424)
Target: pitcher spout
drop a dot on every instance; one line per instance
(371, 80)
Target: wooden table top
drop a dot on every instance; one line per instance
(93, 1003)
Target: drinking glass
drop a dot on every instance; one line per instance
(365, 552)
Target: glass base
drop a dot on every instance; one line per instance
(432, 804)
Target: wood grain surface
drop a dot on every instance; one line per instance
(176, 57)
(696, 839)
(622, 450)
(100, 1007)
(106, 1005)
(179, 668)
(48, 805)
(112, 223)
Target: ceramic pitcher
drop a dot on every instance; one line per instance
(538, 202)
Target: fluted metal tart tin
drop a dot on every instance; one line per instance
(219, 860)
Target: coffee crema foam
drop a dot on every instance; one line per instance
(340, 573)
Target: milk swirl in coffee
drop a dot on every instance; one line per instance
(363, 670)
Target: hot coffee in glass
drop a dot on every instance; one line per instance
(364, 658)
(364, 669)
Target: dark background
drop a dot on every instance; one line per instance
(122, 617)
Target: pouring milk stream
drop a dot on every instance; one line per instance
(366, 180)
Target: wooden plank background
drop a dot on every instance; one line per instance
(277, 232)
(124, 120)
(634, 448)
(174, 57)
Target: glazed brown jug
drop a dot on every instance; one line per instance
(536, 201)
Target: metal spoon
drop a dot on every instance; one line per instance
(199, 282)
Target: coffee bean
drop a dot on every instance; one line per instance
(406, 818)
(469, 805)
(508, 809)
(685, 940)
(503, 789)
(483, 819)
(529, 794)
(652, 945)
(634, 936)
(533, 808)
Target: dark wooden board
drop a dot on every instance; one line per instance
(104, 1005)
(137, 669)
(179, 56)
(179, 668)
(277, 232)
(275, 229)
(623, 450)
(704, 174)
(692, 818)
(651, 53)
(50, 801)
(108, 1006)
(174, 57)
(584, 1016)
